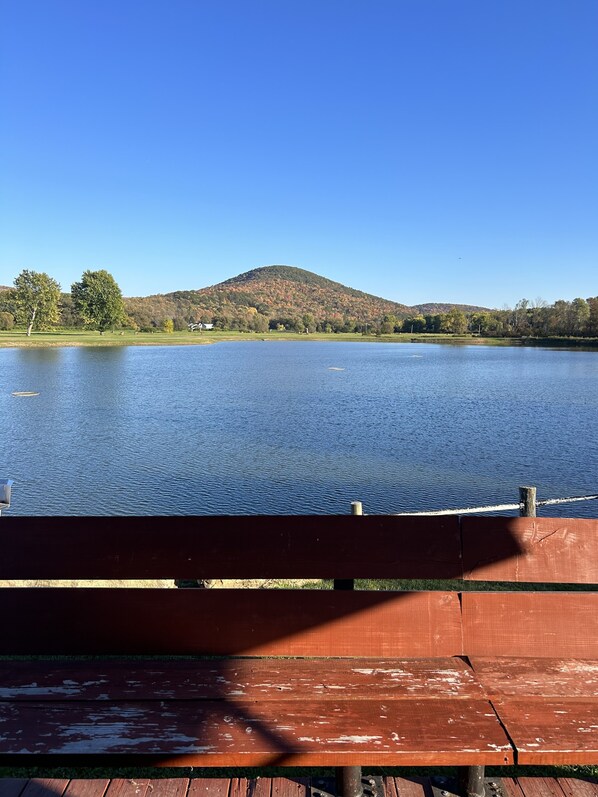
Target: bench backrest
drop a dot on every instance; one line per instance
(441, 622)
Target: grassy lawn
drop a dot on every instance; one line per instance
(71, 337)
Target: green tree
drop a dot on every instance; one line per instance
(168, 325)
(7, 320)
(454, 322)
(593, 316)
(309, 322)
(98, 301)
(36, 298)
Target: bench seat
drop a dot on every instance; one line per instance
(249, 712)
(548, 706)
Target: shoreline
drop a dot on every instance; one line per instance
(77, 339)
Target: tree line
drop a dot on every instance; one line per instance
(95, 302)
(577, 318)
(36, 302)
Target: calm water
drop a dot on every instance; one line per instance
(267, 427)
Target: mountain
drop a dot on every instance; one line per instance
(271, 295)
(286, 290)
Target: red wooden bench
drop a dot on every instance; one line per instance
(229, 677)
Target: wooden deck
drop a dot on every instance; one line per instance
(284, 787)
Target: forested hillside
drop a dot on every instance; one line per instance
(273, 297)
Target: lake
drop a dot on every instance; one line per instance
(296, 427)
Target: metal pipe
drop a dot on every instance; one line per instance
(348, 782)
(471, 781)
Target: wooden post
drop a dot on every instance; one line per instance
(348, 779)
(349, 583)
(527, 498)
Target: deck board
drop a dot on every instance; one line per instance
(573, 787)
(12, 787)
(394, 786)
(88, 788)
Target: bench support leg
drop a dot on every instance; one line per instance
(348, 782)
(471, 781)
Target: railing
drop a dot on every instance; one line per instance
(527, 505)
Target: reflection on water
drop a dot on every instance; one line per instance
(297, 427)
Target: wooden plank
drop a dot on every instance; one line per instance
(238, 787)
(168, 787)
(231, 679)
(536, 678)
(561, 550)
(260, 787)
(318, 546)
(511, 787)
(272, 733)
(41, 787)
(128, 787)
(551, 624)
(551, 731)
(95, 787)
(578, 787)
(288, 787)
(408, 787)
(12, 787)
(540, 787)
(208, 787)
(221, 622)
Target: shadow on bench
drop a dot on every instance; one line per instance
(228, 677)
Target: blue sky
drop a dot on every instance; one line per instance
(420, 150)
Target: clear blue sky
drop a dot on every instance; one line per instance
(420, 150)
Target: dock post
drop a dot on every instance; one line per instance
(527, 498)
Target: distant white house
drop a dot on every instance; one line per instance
(200, 326)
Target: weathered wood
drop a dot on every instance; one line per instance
(527, 497)
(96, 787)
(551, 731)
(511, 787)
(168, 787)
(530, 549)
(577, 787)
(238, 678)
(288, 787)
(229, 622)
(540, 787)
(208, 787)
(296, 546)
(128, 787)
(354, 732)
(260, 787)
(537, 679)
(540, 624)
